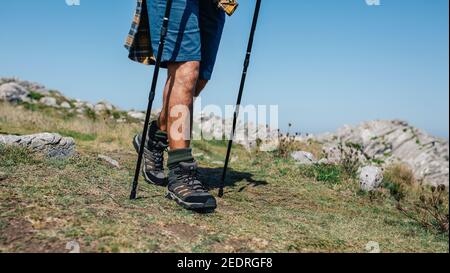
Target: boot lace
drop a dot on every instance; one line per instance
(189, 176)
(155, 154)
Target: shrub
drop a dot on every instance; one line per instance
(35, 95)
(431, 209)
(400, 174)
(116, 115)
(397, 178)
(350, 158)
(286, 147)
(91, 114)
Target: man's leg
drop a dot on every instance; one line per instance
(184, 185)
(180, 97)
(162, 120)
(179, 90)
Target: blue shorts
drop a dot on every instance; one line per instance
(195, 30)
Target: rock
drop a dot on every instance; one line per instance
(370, 178)
(110, 161)
(136, 115)
(99, 108)
(49, 101)
(12, 92)
(89, 106)
(79, 104)
(53, 145)
(65, 105)
(108, 106)
(211, 127)
(395, 141)
(303, 158)
(103, 106)
(35, 87)
(335, 153)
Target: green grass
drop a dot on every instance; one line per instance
(324, 173)
(78, 135)
(267, 208)
(270, 203)
(35, 96)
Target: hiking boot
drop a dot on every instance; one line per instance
(186, 189)
(153, 161)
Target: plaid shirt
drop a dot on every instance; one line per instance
(138, 40)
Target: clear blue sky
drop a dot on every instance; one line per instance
(324, 62)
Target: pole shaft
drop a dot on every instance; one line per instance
(151, 98)
(241, 91)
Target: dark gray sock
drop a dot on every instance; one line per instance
(179, 155)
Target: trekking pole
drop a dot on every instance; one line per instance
(151, 98)
(241, 90)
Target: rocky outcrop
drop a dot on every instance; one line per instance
(387, 142)
(212, 127)
(53, 145)
(13, 92)
(36, 87)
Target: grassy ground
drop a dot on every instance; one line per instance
(271, 204)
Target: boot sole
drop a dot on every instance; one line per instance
(147, 179)
(208, 206)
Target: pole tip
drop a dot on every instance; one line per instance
(133, 195)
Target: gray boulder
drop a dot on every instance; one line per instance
(303, 158)
(113, 163)
(370, 178)
(13, 92)
(136, 115)
(49, 101)
(53, 145)
(89, 106)
(108, 106)
(65, 105)
(99, 107)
